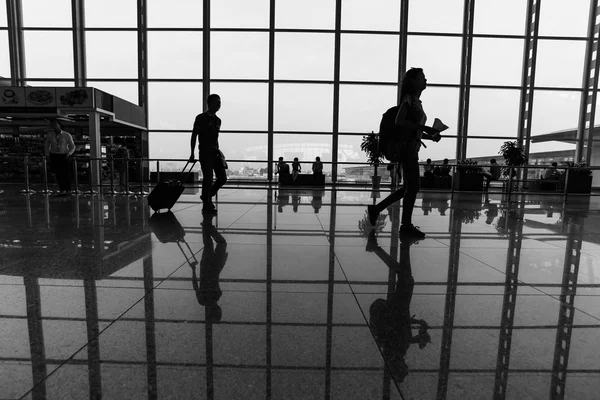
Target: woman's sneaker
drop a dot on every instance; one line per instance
(411, 231)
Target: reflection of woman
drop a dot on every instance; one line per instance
(208, 291)
(391, 320)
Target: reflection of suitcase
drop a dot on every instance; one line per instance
(166, 227)
(165, 194)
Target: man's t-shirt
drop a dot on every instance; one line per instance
(495, 171)
(207, 128)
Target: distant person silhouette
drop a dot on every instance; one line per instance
(206, 130)
(282, 167)
(551, 173)
(208, 290)
(296, 168)
(429, 166)
(390, 319)
(59, 147)
(411, 121)
(493, 174)
(317, 166)
(121, 156)
(443, 170)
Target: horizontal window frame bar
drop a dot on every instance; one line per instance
(307, 30)
(309, 82)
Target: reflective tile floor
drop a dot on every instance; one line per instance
(294, 295)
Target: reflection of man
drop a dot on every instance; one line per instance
(208, 291)
(391, 320)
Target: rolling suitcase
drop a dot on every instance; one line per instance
(166, 193)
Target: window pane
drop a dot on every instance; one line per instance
(174, 105)
(175, 54)
(445, 148)
(505, 17)
(487, 148)
(3, 21)
(125, 90)
(436, 16)
(559, 63)
(111, 13)
(561, 18)
(169, 145)
(369, 58)
(361, 106)
(175, 14)
(51, 83)
(306, 14)
(554, 111)
(349, 149)
(239, 55)
(4, 55)
(36, 13)
(497, 61)
(243, 146)
(305, 147)
(303, 107)
(304, 56)
(494, 112)
(375, 15)
(40, 62)
(243, 105)
(239, 14)
(111, 54)
(441, 103)
(565, 152)
(448, 49)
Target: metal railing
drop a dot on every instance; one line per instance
(32, 175)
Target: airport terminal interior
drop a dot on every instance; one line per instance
(290, 288)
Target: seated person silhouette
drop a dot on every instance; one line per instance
(390, 319)
(551, 173)
(493, 174)
(282, 167)
(443, 170)
(208, 290)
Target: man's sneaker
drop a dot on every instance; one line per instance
(372, 214)
(411, 231)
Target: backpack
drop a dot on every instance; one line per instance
(388, 134)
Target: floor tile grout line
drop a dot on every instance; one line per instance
(536, 288)
(119, 317)
(387, 367)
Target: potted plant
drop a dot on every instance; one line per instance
(514, 156)
(470, 175)
(579, 178)
(370, 145)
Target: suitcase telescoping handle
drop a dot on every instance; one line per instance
(184, 176)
